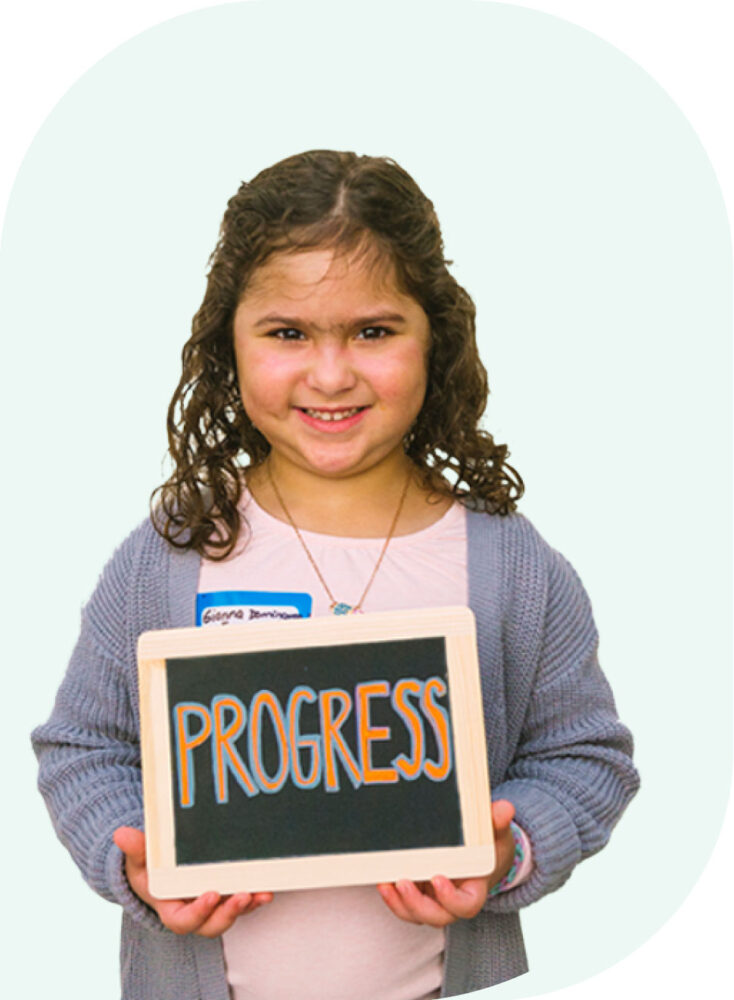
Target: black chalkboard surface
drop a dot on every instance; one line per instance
(313, 752)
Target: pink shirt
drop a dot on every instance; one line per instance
(427, 568)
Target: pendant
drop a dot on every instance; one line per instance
(340, 608)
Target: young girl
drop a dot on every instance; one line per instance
(325, 440)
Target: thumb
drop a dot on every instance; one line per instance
(502, 812)
(132, 843)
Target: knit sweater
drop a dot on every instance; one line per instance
(555, 746)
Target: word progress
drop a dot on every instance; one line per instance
(222, 723)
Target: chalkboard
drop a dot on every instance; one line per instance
(314, 752)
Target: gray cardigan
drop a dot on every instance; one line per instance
(556, 748)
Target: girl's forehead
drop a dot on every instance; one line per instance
(303, 274)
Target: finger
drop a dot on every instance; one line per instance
(225, 914)
(183, 917)
(502, 813)
(422, 908)
(258, 899)
(262, 897)
(132, 844)
(463, 899)
(394, 901)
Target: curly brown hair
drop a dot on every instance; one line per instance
(350, 203)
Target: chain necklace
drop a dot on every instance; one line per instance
(340, 607)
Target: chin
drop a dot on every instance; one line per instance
(333, 470)
(334, 466)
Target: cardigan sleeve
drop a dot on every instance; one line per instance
(88, 750)
(571, 775)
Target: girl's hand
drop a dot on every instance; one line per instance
(210, 915)
(443, 901)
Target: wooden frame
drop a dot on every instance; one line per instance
(474, 857)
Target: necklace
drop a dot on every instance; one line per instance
(340, 607)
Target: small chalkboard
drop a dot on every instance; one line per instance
(314, 752)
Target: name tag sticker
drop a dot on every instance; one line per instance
(237, 607)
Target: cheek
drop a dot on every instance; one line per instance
(404, 380)
(265, 383)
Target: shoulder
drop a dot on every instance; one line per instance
(131, 591)
(516, 537)
(142, 551)
(534, 576)
(509, 540)
(543, 611)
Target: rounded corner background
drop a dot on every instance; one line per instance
(586, 221)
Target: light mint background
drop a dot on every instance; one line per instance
(585, 220)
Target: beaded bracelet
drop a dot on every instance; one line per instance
(517, 860)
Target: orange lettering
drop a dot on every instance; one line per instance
(224, 737)
(186, 744)
(438, 717)
(368, 734)
(262, 700)
(410, 767)
(333, 740)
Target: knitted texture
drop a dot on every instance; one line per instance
(556, 749)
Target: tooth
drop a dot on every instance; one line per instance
(331, 415)
(328, 415)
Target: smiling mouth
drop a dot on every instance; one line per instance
(331, 415)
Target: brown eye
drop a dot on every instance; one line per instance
(286, 333)
(374, 332)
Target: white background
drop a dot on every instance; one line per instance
(686, 47)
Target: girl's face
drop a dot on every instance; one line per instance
(331, 359)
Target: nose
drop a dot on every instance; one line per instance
(330, 371)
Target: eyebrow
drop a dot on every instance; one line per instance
(360, 321)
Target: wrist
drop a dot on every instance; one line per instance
(518, 857)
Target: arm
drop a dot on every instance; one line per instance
(571, 775)
(89, 765)
(89, 758)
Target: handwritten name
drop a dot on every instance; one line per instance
(217, 616)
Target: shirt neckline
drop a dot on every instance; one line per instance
(448, 520)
